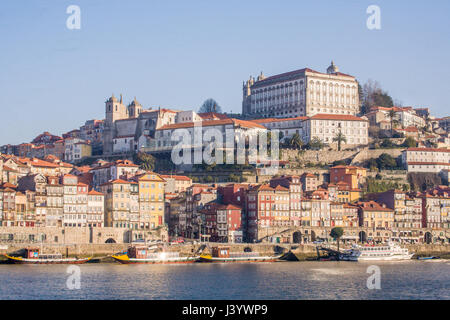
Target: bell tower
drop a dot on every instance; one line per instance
(134, 109)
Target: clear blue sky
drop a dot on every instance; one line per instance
(176, 54)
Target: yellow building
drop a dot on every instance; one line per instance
(151, 200)
(352, 175)
(375, 216)
(117, 203)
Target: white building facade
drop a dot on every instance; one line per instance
(304, 92)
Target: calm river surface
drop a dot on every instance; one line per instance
(279, 280)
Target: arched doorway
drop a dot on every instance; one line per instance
(297, 237)
(110, 240)
(362, 236)
(313, 236)
(428, 238)
(247, 249)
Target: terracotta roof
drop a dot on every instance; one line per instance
(372, 206)
(208, 115)
(228, 207)
(9, 185)
(118, 181)
(428, 149)
(95, 193)
(323, 116)
(6, 168)
(229, 121)
(429, 163)
(269, 120)
(41, 163)
(183, 178)
(294, 73)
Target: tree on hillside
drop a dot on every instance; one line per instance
(391, 117)
(373, 95)
(386, 161)
(145, 161)
(210, 105)
(410, 143)
(315, 144)
(295, 142)
(336, 233)
(340, 138)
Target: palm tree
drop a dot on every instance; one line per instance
(295, 142)
(339, 138)
(391, 116)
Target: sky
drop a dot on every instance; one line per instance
(176, 54)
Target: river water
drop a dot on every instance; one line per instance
(279, 280)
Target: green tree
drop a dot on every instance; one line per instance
(210, 105)
(315, 144)
(295, 141)
(391, 117)
(339, 138)
(410, 143)
(336, 233)
(386, 161)
(145, 161)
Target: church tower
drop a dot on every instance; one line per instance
(134, 109)
(114, 110)
(246, 95)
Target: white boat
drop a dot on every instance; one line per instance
(143, 254)
(388, 252)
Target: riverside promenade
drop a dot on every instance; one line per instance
(302, 251)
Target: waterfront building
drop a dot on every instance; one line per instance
(55, 202)
(320, 212)
(266, 207)
(375, 216)
(70, 199)
(151, 200)
(436, 208)
(117, 203)
(407, 209)
(293, 184)
(95, 209)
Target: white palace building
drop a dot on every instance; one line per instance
(303, 92)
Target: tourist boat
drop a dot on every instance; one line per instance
(223, 254)
(144, 254)
(32, 256)
(387, 252)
